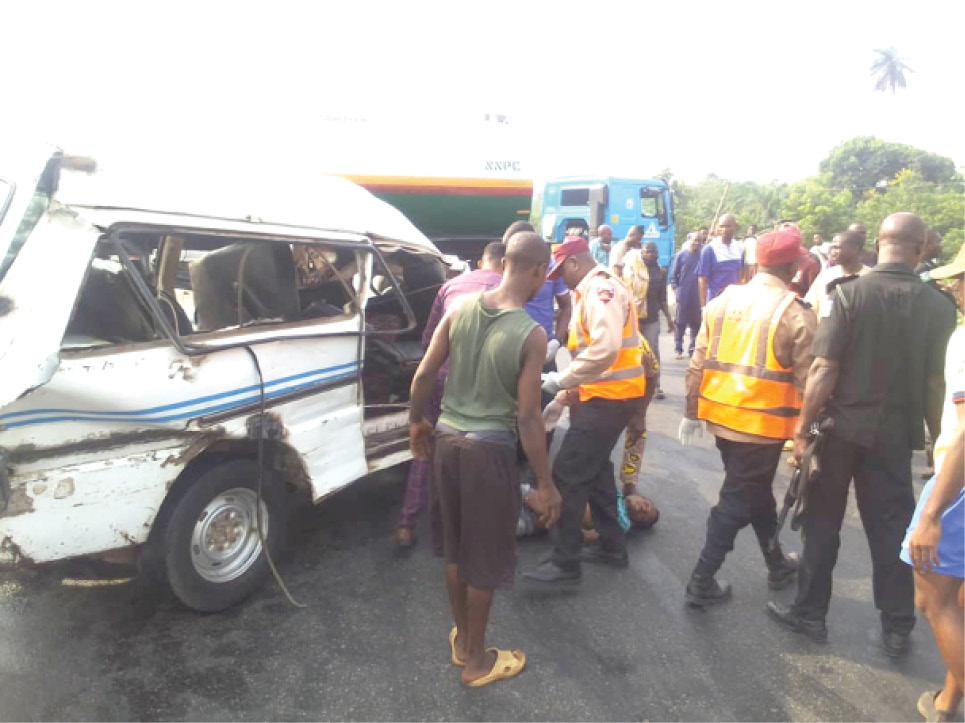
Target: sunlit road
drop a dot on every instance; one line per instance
(372, 642)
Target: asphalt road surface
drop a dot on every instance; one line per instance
(372, 643)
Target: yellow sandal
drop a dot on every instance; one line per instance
(509, 664)
(452, 649)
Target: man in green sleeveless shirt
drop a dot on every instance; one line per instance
(496, 353)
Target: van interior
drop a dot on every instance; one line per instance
(209, 284)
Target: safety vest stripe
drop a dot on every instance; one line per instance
(628, 373)
(757, 372)
(628, 343)
(784, 412)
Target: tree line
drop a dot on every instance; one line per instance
(862, 180)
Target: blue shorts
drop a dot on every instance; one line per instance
(951, 546)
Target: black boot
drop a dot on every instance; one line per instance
(704, 590)
(785, 615)
(782, 569)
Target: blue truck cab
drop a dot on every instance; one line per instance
(587, 202)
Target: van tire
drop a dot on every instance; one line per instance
(213, 557)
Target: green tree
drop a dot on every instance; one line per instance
(890, 70)
(866, 163)
(817, 207)
(941, 206)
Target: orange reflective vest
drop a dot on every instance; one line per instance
(744, 387)
(625, 378)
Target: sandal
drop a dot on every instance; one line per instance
(926, 706)
(452, 649)
(509, 664)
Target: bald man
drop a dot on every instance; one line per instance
(495, 353)
(721, 261)
(601, 245)
(878, 372)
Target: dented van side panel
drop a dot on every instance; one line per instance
(95, 450)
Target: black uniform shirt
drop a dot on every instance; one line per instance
(888, 331)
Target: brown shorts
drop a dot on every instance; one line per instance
(476, 487)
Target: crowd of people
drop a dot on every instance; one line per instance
(836, 353)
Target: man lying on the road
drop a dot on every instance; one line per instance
(633, 510)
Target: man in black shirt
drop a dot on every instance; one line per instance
(878, 371)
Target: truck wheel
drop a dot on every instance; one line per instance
(212, 551)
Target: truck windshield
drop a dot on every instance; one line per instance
(575, 197)
(653, 205)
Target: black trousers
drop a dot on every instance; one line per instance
(886, 501)
(746, 498)
(583, 473)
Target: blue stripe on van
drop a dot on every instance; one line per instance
(143, 415)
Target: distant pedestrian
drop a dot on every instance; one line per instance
(632, 241)
(931, 254)
(495, 353)
(750, 253)
(683, 281)
(552, 294)
(745, 380)
(646, 281)
(486, 277)
(807, 270)
(601, 245)
(821, 250)
(846, 251)
(721, 261)
(869, 257)
(935, 542)
(878, 371)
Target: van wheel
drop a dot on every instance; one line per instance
(212, 553)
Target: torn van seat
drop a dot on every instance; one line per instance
(245, 281)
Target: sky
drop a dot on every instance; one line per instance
(746, 90)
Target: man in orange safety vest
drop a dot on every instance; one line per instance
(746, 380)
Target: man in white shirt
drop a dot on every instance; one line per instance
(750, 253)
(846, 249)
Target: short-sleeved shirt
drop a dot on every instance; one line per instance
(600, 254)
(888, 331)
(721, 263)
(471, 283)
(541, 307)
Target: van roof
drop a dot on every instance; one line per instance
(307, 200)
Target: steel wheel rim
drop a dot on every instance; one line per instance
(225, 542)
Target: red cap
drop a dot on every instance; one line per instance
(780, 247)
(571, 247)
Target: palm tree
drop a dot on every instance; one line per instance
(890, 70)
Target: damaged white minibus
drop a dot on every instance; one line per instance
(178, 360)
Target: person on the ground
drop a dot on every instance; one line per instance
(869, 257)
(683, 281)
(647, 282)
(621, 248)
(541, 307)
(484, 278)
(877, 373)
(845, 254)
(634, 511)
(750, 254)
(495, 353)
(601, 245)
(603, 386)
(808, 269)
(745, 380)
(935, 542)
(720, 262)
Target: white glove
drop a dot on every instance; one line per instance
(551, 348)
(552, 414)
(551, 383)
(689, 428)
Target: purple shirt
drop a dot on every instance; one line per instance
(473, 282)
(540, 308)
(721, 263)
